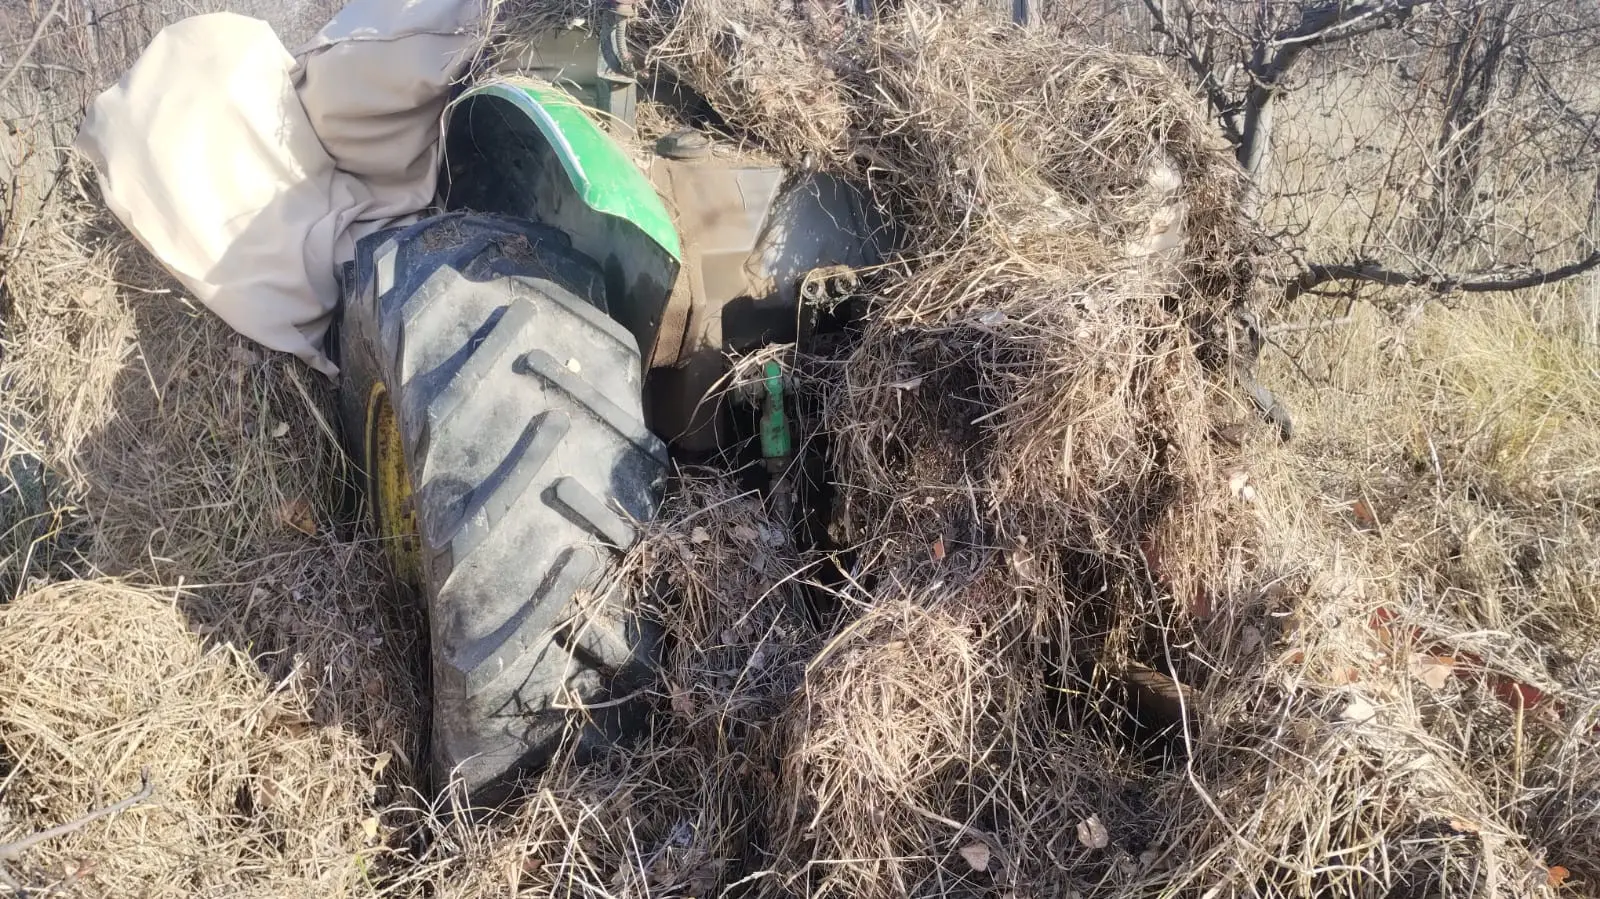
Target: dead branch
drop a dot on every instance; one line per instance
(1226, 107)
(1479, 282)
(1320, 324)
(1272, 58)
(1333, 22)
(13, 851)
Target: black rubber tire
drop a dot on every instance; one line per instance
(519, 405)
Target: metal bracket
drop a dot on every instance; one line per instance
(615, 87)
(829, 285)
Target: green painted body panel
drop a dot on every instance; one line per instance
(602, 174)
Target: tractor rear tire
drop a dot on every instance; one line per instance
(480, 347)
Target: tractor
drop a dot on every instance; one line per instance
(521, 368)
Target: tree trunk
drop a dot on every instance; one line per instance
(1475, 55)
(1589, 287)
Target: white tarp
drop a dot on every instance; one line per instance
(250, 173)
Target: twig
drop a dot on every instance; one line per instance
(1317, 325)
(13, 851)
(33, 43)
(1226, 107)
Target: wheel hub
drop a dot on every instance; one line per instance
(394, 509)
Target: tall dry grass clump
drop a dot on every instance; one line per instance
(179, 454)
(146, 441)
(1451, 466)
(1031, 501)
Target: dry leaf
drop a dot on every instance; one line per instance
(266, 795)
(369, 826)
(1093, 834)
(280, 430)
(77, 868)
(1362, 510)
(1239, 485)
(938, 550)
(907, 384)
(1462, 826)
(1558, 875)
(297, 514)
(381, 762)
(1359, 711)
(1344, 674)
(699, 535)
(1434, 671)
(745, 534)
(977, 855)
(682, 702)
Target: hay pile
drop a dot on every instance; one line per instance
(147, 442)
(250, 797)
(1036, 512)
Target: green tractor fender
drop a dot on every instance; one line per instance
(524, 148)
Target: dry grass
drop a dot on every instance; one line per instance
(146, 441)
(187, 457)
(1033, 505)
(252, 798)
(1463, 437)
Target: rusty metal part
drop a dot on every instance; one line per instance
(389, 488)
(1157, 702)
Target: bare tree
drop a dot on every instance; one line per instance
(1477, 51)
(1491, 122)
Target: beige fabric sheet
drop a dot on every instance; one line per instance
(250, 173)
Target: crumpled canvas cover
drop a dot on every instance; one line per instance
(250, 173)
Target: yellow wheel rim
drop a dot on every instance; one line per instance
(394, 508)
